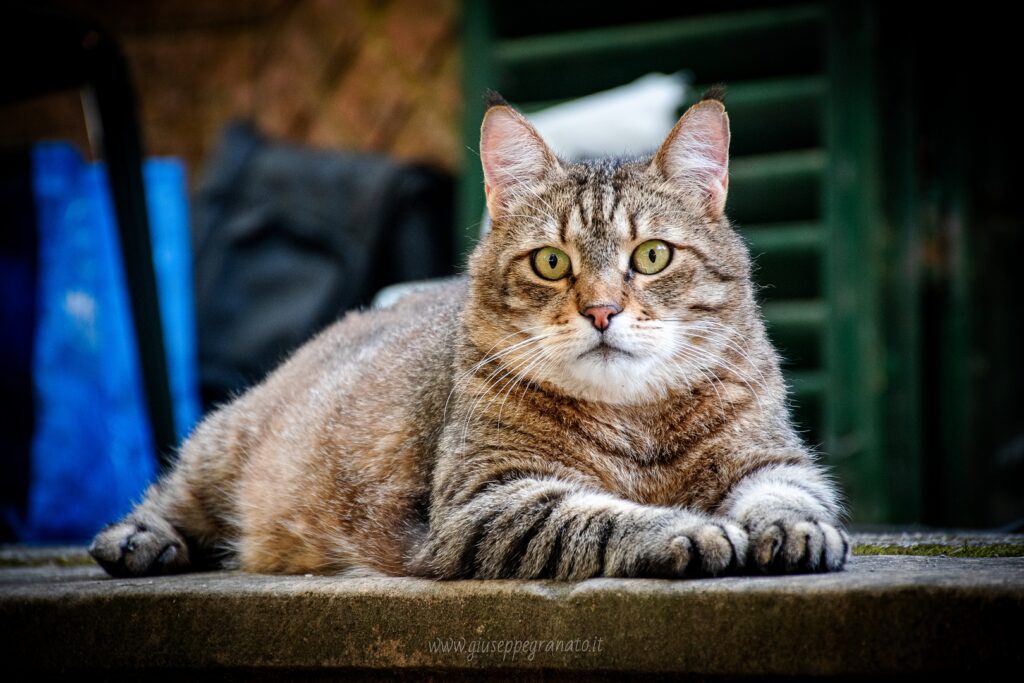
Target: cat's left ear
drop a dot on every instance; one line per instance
(695, 155)
(513, 154)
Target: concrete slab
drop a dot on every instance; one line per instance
(883, 616)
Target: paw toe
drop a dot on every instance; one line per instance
(803, 546)
(766, 547)
(740, 543)
(836, 548)
(718, 550)
(681, 552)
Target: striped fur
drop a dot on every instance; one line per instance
(486, 429)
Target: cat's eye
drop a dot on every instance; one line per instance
(651, 257)
(551, 263)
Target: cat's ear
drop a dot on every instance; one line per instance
(513, 155)
(695, 155)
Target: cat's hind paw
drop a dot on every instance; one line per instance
(138, 546)
(799, 546)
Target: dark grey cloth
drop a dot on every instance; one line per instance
(288, 238)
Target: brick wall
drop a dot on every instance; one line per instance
(373, 75)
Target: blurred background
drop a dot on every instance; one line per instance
(239, 167)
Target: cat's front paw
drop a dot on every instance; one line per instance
(687, 548)
(792, 546)
(140, 547)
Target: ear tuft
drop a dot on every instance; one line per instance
(513, 154)
(695, 155)
(715, 92)
(493, 98)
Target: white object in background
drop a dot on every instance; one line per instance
(390, 295)
(630, 119)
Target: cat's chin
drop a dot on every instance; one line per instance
(606, 353)
(608, 375)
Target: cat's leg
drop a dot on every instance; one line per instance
(143, 543)
(549, 528)
(183, 518)
(791, 513)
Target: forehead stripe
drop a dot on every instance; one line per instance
(563, 224)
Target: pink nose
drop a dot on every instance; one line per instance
(601, 316)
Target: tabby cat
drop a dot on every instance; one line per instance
(598, 398)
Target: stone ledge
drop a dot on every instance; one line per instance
(928, 542)
(882, 616)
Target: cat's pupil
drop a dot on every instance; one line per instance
(552, 261)
(651, 255)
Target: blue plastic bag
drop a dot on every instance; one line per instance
(92, 453)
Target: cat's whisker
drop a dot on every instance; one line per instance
(710, 377)
(516, 364)
(552, 358)
(506, 371)
(544, 357)
(722, 336)
(492, 391)
(516, 381)
(516, 347)
(514, 376)
(488, 359)
(747, 379)
(715, 359)
(489, 384)
(728, 334)
(709, 359)
(552, 355)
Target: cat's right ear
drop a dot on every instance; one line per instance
(514, 156)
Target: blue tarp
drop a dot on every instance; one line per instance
(92, 454)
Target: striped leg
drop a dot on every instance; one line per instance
(791, 513)
(549, 528)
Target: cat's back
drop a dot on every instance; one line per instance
(377, 355)
(391, 347)
(342, 436)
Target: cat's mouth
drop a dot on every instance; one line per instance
(605, 351)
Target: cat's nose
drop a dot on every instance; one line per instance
(601, 315)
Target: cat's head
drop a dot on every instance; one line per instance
(616, 280)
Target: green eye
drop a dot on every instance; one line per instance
(651, 257)
(551, 263)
